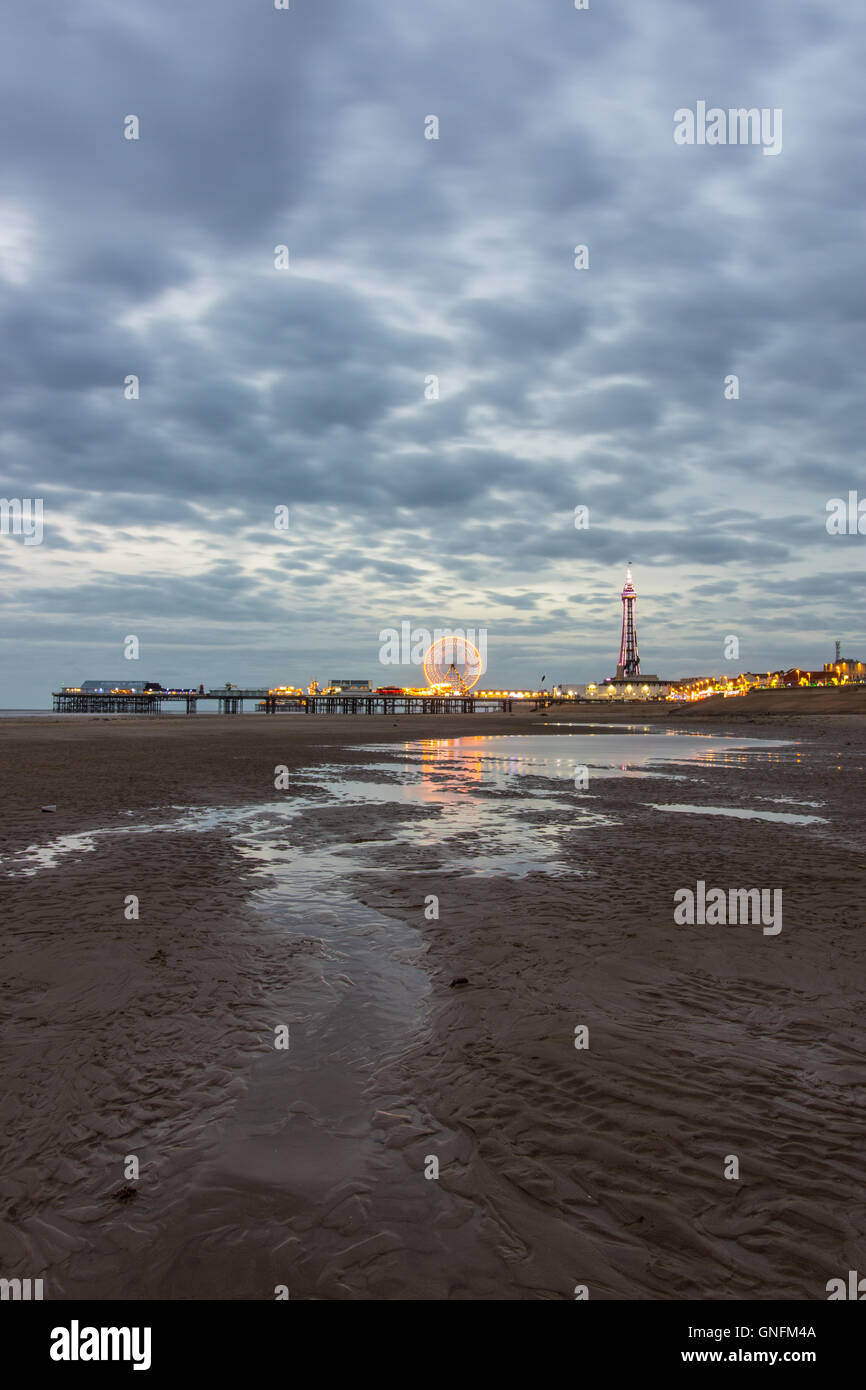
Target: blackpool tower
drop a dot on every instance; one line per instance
(629, 661)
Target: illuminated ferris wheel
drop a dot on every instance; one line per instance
(454, 664)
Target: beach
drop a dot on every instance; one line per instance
(397, 1008)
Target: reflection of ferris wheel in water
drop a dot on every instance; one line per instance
(453, 662)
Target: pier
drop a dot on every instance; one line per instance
(401, 704)
(231, 701)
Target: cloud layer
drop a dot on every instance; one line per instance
(411, 259)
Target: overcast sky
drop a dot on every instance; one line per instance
(412, 258)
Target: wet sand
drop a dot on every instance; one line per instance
(262, 1167)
